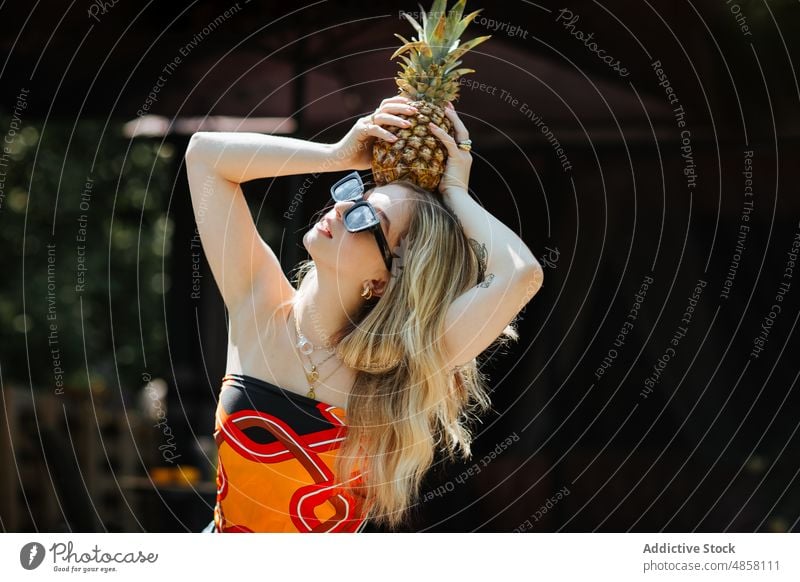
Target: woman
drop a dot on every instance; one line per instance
(368, 366)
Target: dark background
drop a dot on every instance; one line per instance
(713, 447)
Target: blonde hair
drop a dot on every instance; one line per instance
(404, 403)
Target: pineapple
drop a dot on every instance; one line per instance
(430, 77)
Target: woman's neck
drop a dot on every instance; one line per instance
(324, 306)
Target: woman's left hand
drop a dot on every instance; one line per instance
(459, 161)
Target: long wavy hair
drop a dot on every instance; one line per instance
(405, 401)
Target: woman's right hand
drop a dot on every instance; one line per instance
(354, 150)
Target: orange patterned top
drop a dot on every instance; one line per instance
(274, 470)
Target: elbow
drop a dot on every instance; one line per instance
(198, 143)
(529, 280)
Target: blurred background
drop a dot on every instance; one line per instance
(646, 152)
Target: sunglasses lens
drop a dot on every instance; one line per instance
(360, 217)
(347, 190)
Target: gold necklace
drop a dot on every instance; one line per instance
(311, 394)
(305, 347)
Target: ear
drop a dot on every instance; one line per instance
(378, 286)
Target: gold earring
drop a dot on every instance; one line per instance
(367, 292)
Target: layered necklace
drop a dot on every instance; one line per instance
(306, 348)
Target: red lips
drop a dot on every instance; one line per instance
(322, 225)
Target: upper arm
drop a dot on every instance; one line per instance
(477, 317)
(241, 262)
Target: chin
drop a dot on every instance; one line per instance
(310, 243)
(329, 256)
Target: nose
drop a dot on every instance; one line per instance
(341, 207)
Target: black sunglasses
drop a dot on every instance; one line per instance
(362, 215)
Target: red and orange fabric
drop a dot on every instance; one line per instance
(276, 452)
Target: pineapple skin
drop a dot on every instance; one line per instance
(430, 76)
(417, 155)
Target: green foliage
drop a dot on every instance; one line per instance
(62, 186)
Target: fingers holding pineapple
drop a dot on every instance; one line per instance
(370, 128)
(462, 135)
(355, 147)
(395, 99)
(459, 158)
(389, 112)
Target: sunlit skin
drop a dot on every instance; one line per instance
(346, 261)
(251, 278)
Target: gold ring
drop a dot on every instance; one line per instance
(465, 145)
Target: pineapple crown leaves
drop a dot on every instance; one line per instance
(441, 41)
(430, 59)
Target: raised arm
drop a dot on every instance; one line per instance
(513, 275)
(243, 156)
(242, 263)
(217, 163)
